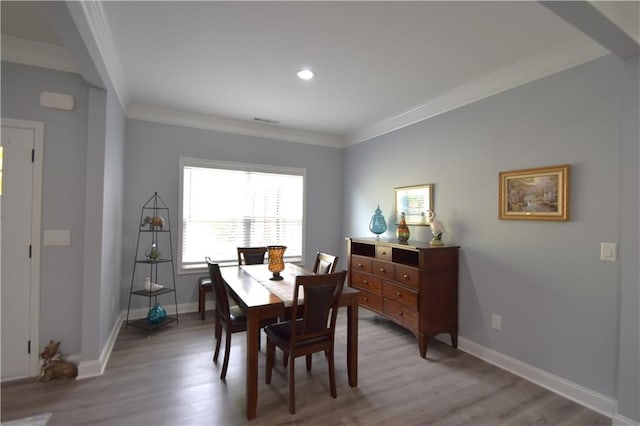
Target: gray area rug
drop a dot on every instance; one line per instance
(39, 420)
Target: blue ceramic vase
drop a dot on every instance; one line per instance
(156, 314)
(377, 225)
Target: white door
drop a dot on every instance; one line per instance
(20, 208)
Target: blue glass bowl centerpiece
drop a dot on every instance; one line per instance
(377, 225)
(156, 314)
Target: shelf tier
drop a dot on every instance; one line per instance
(153, 262)
(144, 292)
(146, 325)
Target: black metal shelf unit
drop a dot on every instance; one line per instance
(154, 236)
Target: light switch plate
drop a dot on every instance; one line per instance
(57, 238)
(608, 252)
(496, 322)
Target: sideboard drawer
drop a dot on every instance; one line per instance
(401, 313)
(361, 263)
(383, 269)
(366, 282)
(383, 253)
(371, 300)
(407, 276)
(400, 294)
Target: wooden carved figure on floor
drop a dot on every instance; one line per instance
(54, 367)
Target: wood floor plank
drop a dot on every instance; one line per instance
(168, 378)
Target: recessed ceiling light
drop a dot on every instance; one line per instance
(305, 74)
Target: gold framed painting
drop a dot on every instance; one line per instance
(534, 194)
(415, 202)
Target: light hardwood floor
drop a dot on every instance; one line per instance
(169, 379)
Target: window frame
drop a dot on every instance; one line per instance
(237, 166)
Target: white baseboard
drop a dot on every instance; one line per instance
(583, 396)
(93, 368)
(619, 420)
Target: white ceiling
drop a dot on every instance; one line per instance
(379, 65)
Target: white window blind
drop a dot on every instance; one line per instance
(229, 205)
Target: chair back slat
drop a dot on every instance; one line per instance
(325, 263)
(251, 255)
(318, 302)
(319, 309)
(220, 289)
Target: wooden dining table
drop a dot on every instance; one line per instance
(248, 287)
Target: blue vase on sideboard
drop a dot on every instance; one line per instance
(377, 225)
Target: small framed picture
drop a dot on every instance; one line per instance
(415, 202)
(534, 194)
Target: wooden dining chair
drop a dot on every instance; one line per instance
(313, 332)
(325, 263)
(246, 256)
(230, 318)
(251, 255)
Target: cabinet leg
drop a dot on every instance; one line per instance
(454, 339)
(422, 344)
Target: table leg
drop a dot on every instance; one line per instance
(352, 343)
(253, 330)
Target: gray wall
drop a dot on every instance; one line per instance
(112, 195)
(103, 184)
(63, 192)
(103, 221)
(151, 164)
(628, 395)
(559, 303)
(80, 282)
(93, 224)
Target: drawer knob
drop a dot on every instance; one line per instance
(365, 298)
(405, 276)
(381, 269)
(399, 313)
(360, 265)
(365, 282)
(398, 294)
(383, 253)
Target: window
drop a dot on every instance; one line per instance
(228, 205)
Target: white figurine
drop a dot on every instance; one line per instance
(437, 228)
(149, 286)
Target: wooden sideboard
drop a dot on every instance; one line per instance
(413, 284)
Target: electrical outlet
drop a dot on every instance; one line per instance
(496, 322)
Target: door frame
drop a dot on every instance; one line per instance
(36, 220)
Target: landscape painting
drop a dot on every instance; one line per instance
(535, 194)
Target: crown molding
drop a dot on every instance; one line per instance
(562, 57)
(559, 58)
(29, 52)
(101, 32)
(625, 15)
(220, 124)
